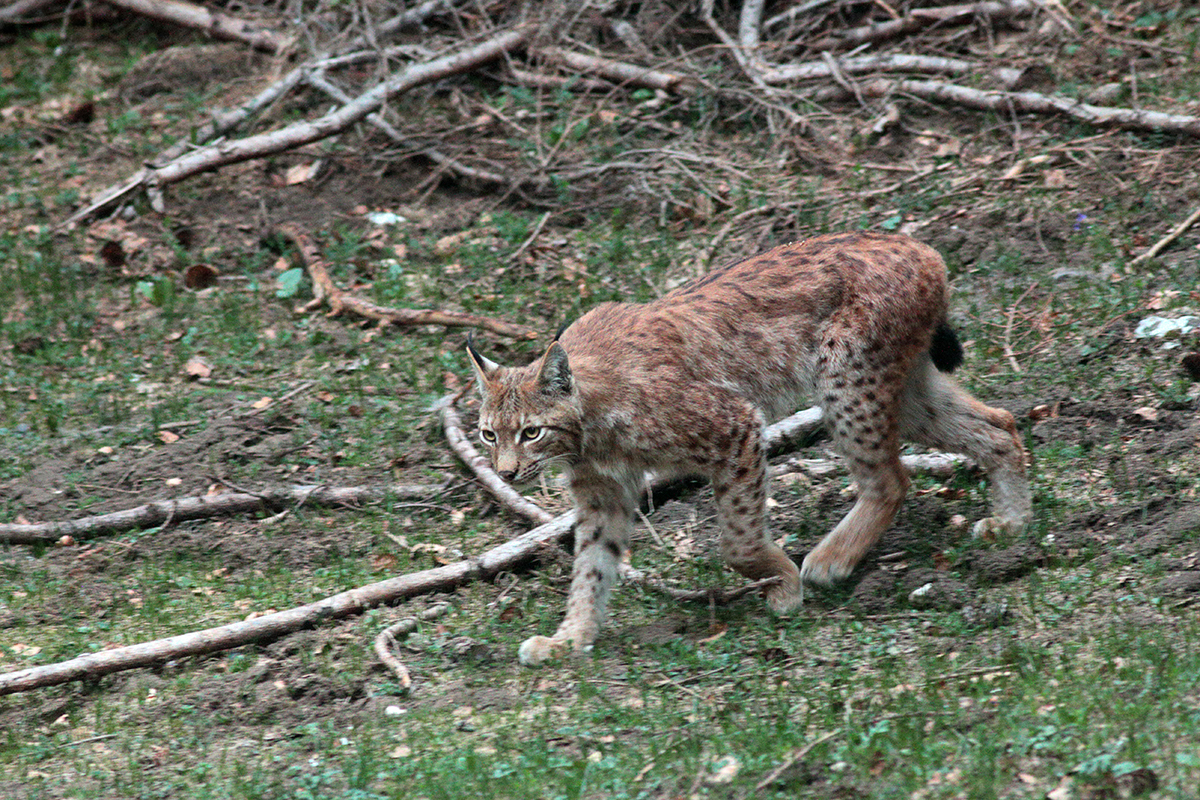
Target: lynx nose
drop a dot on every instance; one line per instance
(507, 474)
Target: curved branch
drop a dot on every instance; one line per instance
(325, 290)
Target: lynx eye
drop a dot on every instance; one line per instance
(532, 433)
(488, 437)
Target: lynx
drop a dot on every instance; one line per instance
(686, 383)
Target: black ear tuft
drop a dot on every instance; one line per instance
(558, 334)
(483, 366)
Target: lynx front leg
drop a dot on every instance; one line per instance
(740, 489)
(601, 536)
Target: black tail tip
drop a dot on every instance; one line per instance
(945, 349)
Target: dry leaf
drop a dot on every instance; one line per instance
(383, 561)
(1012, 172)
(1055, 179)
(261, 403)
(173, 481)
(299, 173)
(167, 437)
(197, 367)
(727, 769)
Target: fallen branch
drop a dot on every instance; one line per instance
(339, 301)
(221, 123)
(17, 13)
(217, 24)
(504, 558)
(616, 71)
(302, 133)
(796, 756)
(920, 18)
(941, 464)
(225, 121)
(887, 62)
(1022, 102)
(1162, 243)
(389, 636)
(720, 597)
(203, 507)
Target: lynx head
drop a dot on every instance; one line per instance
(530, 416)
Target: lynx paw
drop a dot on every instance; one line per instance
(537, 649)
(996, 527)
(823, 569)
(788, 595)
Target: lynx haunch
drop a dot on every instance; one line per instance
(685, 385)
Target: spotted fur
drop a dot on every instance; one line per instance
(685, 385)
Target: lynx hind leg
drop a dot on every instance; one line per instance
(740, 490)
(938, 413)
(862, 421)
(601, 536)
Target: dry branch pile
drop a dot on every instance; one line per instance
(793, 65)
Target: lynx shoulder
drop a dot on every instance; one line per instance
(685, 384)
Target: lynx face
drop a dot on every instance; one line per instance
(530, 416)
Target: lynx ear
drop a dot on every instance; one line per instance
(484, 368)
(554, 375)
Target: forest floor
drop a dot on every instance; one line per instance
(1063, 662)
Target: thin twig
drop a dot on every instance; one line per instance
(388, 638)
(1162, 243)
(796, 756)
(1008, 326)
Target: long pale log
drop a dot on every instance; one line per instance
(203, 507)
(215, 23)
(1023, 102)
(16, 12)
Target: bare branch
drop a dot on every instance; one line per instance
(203, 507)
(388, 637)
(920, 18)
(617, 71)
(15, 13)
(887, 62)
(1023, 102)
(215, 23)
